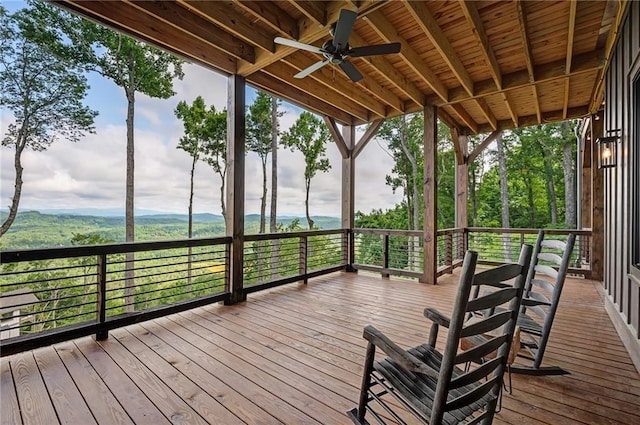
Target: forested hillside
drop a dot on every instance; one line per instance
(32, 229)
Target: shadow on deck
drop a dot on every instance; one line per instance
(294, 355)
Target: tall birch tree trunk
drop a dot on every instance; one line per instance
(504, 198)
(568, 158)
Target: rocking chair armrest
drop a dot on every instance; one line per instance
(395, 352)
(436, 317)
(530, 302)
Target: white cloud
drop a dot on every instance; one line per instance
(91, 173)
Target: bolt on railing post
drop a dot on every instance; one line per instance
(302, 269)
(385, 254)
(101, 302)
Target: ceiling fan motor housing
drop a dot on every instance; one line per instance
(334, 55)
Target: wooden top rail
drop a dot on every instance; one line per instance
(441, 232)
(287, 235)
(529, 231)
(113, 248)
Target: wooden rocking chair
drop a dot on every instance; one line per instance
(427, 383)
(541, 297)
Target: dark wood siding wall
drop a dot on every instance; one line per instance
(621, 182)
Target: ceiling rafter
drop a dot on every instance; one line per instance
(126, 18)
(311, 9)
(486, 110)
(422, 15)
(341, 86)
(309, 32)
(524, 35)
(387, 70)
(285, 72)
(527, 120)
(271, 15)
(270, 84)
(179, 18)
(230, 19)
(586, 62)
(573, 6)
(385, 30)
(465, 117)
(510, 108)
(470, 11)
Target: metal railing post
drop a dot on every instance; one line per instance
(302, 268)
(101, 302)
(385, 254)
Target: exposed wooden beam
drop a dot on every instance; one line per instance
(388, 33)
(484, 107)
(181, 19)
(598, 88)
(565, 102)
(367, 136)
(271, 15)
(341, 87)
(227, 17)
(270, 84)
(470, 10)
(465, 117)
(586, 62)
(309, 32)
(482, 146)
(524, 121)
(124, 17)
(384, 68)
(337, 137)
(573, 5)
(285, 72)
(510, 108)
(422, 15)
(536, 102)
(526, 45)
(311, 9)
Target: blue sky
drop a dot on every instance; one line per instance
(90, 173)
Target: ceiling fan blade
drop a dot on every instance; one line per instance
(312, 68)
(379, 49)
(343, 28)
(351, 71)
(297, 45)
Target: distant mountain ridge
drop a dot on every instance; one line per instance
(34, 229)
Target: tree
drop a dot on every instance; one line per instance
(130, 64)
(569, 146)
(309, 135)
(275, 115)
(204, 133)
(43, 92)
(260, 136)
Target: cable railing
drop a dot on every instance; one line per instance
(277, 258)
(401, 252)
(51, 295)
(57, 294)
(499, 246)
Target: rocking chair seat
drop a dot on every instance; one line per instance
(421, 388)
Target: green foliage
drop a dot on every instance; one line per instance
(41, 90)
(309, 136)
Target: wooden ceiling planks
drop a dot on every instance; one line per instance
(488, 65)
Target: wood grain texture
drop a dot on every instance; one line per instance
(294, 354)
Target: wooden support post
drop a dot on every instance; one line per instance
(430, 191)
(597, 203)
(235, 183)
(348, 191)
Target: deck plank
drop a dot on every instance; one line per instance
(67, 399)
(10, 411)
(294, 354)
(34, 400)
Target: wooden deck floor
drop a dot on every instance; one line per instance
(294, 355)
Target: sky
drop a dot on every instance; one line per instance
(91, 172)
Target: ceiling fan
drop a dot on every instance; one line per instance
(337, 50)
